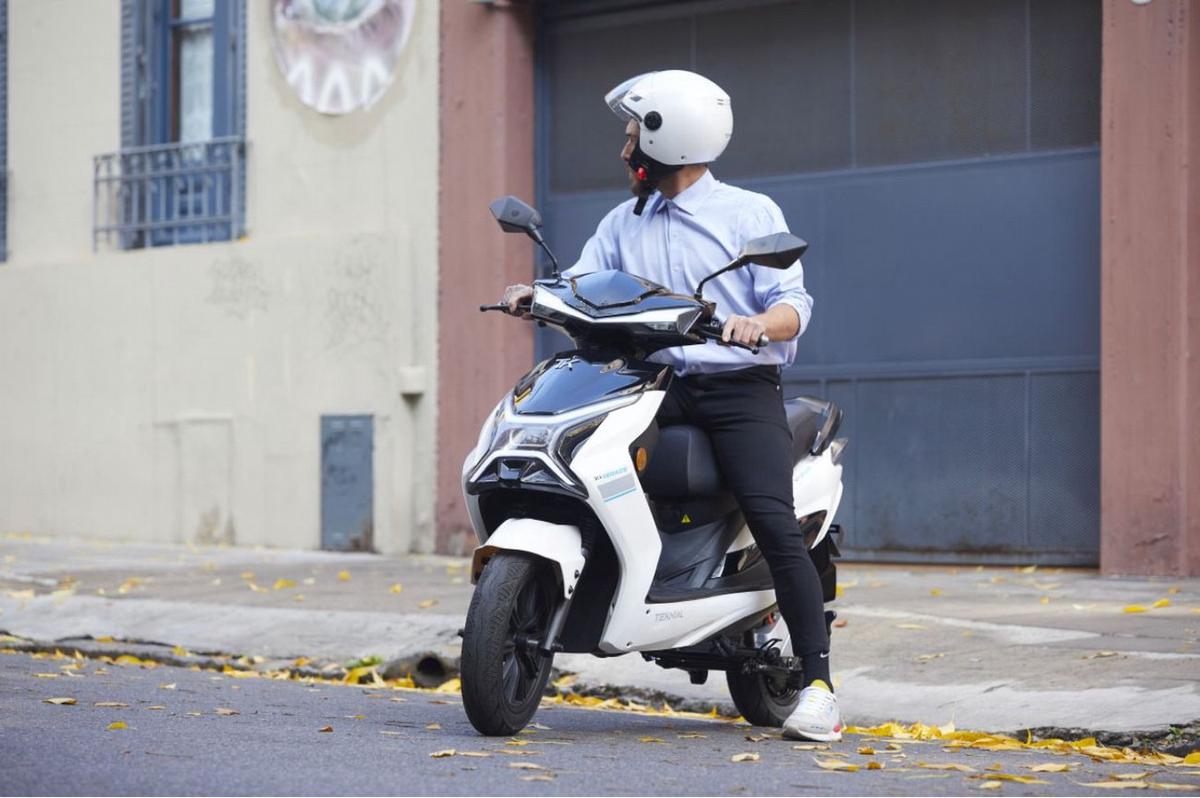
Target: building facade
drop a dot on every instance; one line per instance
(1003, 224)
(240, 288)
(219, 303)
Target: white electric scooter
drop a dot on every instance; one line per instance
(602, 533)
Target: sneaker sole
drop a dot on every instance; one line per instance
(796, 734)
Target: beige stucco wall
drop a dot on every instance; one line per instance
(172, 393)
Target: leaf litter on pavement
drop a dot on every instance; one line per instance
(951, 738)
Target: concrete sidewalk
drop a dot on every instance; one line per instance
(999, 649)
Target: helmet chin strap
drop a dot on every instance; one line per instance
(648, 172)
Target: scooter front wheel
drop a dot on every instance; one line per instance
(503, 676)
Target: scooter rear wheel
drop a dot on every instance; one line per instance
(502, 678)
(764, 699)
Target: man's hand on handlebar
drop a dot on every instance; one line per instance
(515, 296)
(745, 330)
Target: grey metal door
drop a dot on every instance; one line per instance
(942, 160)
(347, 483)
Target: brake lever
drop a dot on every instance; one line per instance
(524, 307)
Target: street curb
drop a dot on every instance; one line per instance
(430, 669)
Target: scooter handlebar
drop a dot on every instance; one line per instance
(713, 330)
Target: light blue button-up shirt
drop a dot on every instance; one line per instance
(678, 242)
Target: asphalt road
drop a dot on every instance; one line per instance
(197, 732)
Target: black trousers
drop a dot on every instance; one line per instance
(742, 412)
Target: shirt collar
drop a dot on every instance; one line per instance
(692, 197)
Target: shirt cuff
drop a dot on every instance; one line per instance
(803, 311)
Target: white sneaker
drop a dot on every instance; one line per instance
(816, 717)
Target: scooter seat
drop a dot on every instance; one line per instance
(683, 465)
(813, 423)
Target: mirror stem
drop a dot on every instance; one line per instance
(733, 264)
(536, 235)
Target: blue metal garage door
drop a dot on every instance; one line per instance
(941, 159)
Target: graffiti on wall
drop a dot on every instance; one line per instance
(339, 55)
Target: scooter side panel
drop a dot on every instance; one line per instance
(615, 494)
(817, 486)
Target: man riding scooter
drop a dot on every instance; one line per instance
(680, 222)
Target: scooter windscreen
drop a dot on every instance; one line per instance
(575, 379)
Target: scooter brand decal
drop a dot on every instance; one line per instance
(615, 484)
(668, 616)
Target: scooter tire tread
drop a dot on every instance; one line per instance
(758, 707)
(484, 637)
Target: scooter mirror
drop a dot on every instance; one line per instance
(776, 251)
(515, 216)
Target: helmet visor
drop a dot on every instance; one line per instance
(616, 97)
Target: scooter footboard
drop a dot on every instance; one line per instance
(561, 544)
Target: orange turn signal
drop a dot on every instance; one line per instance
(639, 459)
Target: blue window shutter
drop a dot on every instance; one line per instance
(129, 73)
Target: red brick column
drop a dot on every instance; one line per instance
(1150, 288)
(486, 151)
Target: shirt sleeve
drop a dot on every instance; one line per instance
(600, 253)
(776, 286)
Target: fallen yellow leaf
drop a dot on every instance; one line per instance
(1044, 600)
(651, 740)
(62, 702)
(692, 736)
(935, 591)
(945, 766)
(1134, 608)
(747, 757)
(344, 576)
(1162, 602)
(170, 686)
(325, 729)
(538, 777)
(283, 584)
(990, 785)
(866, 750)
(474, 753)
(426, 603)
(247, 574)
(835, 764)
(256, 588)
(909, 626)
(110, 704)
(433, 726)
(226, 711)
(450, 686)
(180, 651)
(156, 706)
(396, 587)
(1117, 785)
(1173, 590)
(444, 753)
(45, 675)
(117, 725)
(1162, 785)
(1050, 767)
(525, 766)
(1192, 759)
(1009, 777)
(1029, 569)
(875, 765)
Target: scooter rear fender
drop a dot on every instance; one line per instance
(561, 544)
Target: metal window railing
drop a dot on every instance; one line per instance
(161, 195)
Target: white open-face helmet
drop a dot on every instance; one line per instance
(684, 118)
